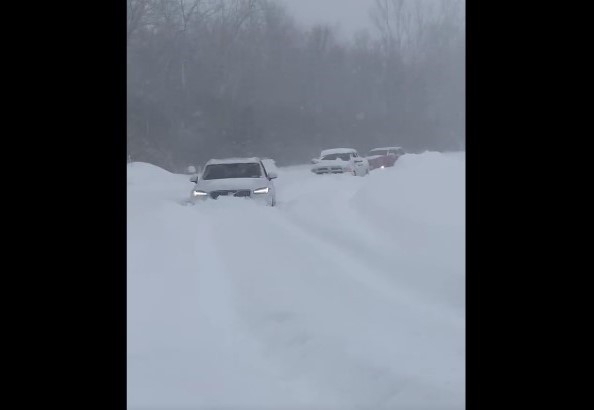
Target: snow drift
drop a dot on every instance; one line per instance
(348, 294)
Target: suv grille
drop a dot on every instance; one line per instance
(235, 193)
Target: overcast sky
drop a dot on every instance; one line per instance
(349, 15)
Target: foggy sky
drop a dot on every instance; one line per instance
(349, 15)
(285, 91)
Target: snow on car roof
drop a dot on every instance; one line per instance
(337, 151)
(385, 148)
(233, 161)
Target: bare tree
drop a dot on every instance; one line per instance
(136, 11)
(237, 77)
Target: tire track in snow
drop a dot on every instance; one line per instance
(376, 275)
(186, 347)
(328, 215)
(311, 306)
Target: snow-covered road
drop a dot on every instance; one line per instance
(348, 294)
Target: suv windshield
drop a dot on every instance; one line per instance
(344, 157)
(224, 171)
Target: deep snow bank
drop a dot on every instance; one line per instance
(145, 173)
(349, 294)
(419, 204)
(426, 189)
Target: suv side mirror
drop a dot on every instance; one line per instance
(315, 160)
(272, 175)
(194, 179)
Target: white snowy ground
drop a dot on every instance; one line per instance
(348, 294)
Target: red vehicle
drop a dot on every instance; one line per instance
(384, 157)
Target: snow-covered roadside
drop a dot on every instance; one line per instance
(349, 293)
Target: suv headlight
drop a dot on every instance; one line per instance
(199, 193)
(261, 190)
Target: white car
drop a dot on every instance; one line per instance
(235, 177)
(340, 161)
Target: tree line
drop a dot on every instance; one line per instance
(221, 78)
